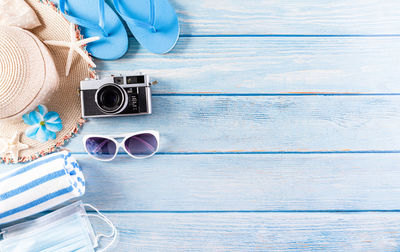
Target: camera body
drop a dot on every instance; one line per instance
(116, 95)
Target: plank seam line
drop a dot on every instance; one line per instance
(276, 94)
(267, 152)
(280, 152)
(253, 211)
(288, 35)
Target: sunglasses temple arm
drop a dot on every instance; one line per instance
(100, 146)
(149, 146)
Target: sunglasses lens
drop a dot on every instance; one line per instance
(101, 148)
(141, 145)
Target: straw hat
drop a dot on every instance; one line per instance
(29, 77)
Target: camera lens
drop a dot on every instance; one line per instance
(111, 98)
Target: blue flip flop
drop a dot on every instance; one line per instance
(153, 23)
(96, 18)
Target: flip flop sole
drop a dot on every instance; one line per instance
(111, 47)
(166, 23)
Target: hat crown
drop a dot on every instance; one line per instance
(22, 71)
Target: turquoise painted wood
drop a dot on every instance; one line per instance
(289, 17)
(257, 231)
(249, 182)
(280, 128)
(264, 123)
(255, 65)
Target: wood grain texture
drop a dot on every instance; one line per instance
(263, 123)
(257, 231)
(244, 182)
(268, 65)
(287, 17)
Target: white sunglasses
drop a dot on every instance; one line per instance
(142, 144)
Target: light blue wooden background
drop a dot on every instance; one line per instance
(279, 124)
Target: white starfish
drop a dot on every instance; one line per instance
(74, 45)
(13, 146)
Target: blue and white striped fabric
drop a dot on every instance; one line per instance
(40, 185)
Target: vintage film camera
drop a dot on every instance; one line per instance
(119, 95)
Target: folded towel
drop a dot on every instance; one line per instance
(40, 185)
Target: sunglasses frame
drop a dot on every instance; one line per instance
(122, 144)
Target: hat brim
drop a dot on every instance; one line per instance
(65, 100)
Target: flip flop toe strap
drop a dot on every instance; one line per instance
(150, 25)
(86, 23)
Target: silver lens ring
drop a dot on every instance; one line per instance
(111, 98)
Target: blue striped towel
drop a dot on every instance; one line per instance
(40, 185)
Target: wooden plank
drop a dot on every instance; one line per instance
(287, 17)
(244, 182)
(268, 65)
(257, 231)
(263, 123)
(272, 182)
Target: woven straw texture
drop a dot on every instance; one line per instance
(65, 100)
(28, 76)
(20, 60)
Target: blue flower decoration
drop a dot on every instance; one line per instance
(44, 124)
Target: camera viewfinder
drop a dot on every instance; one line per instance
(134, 79)
(119, 80)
